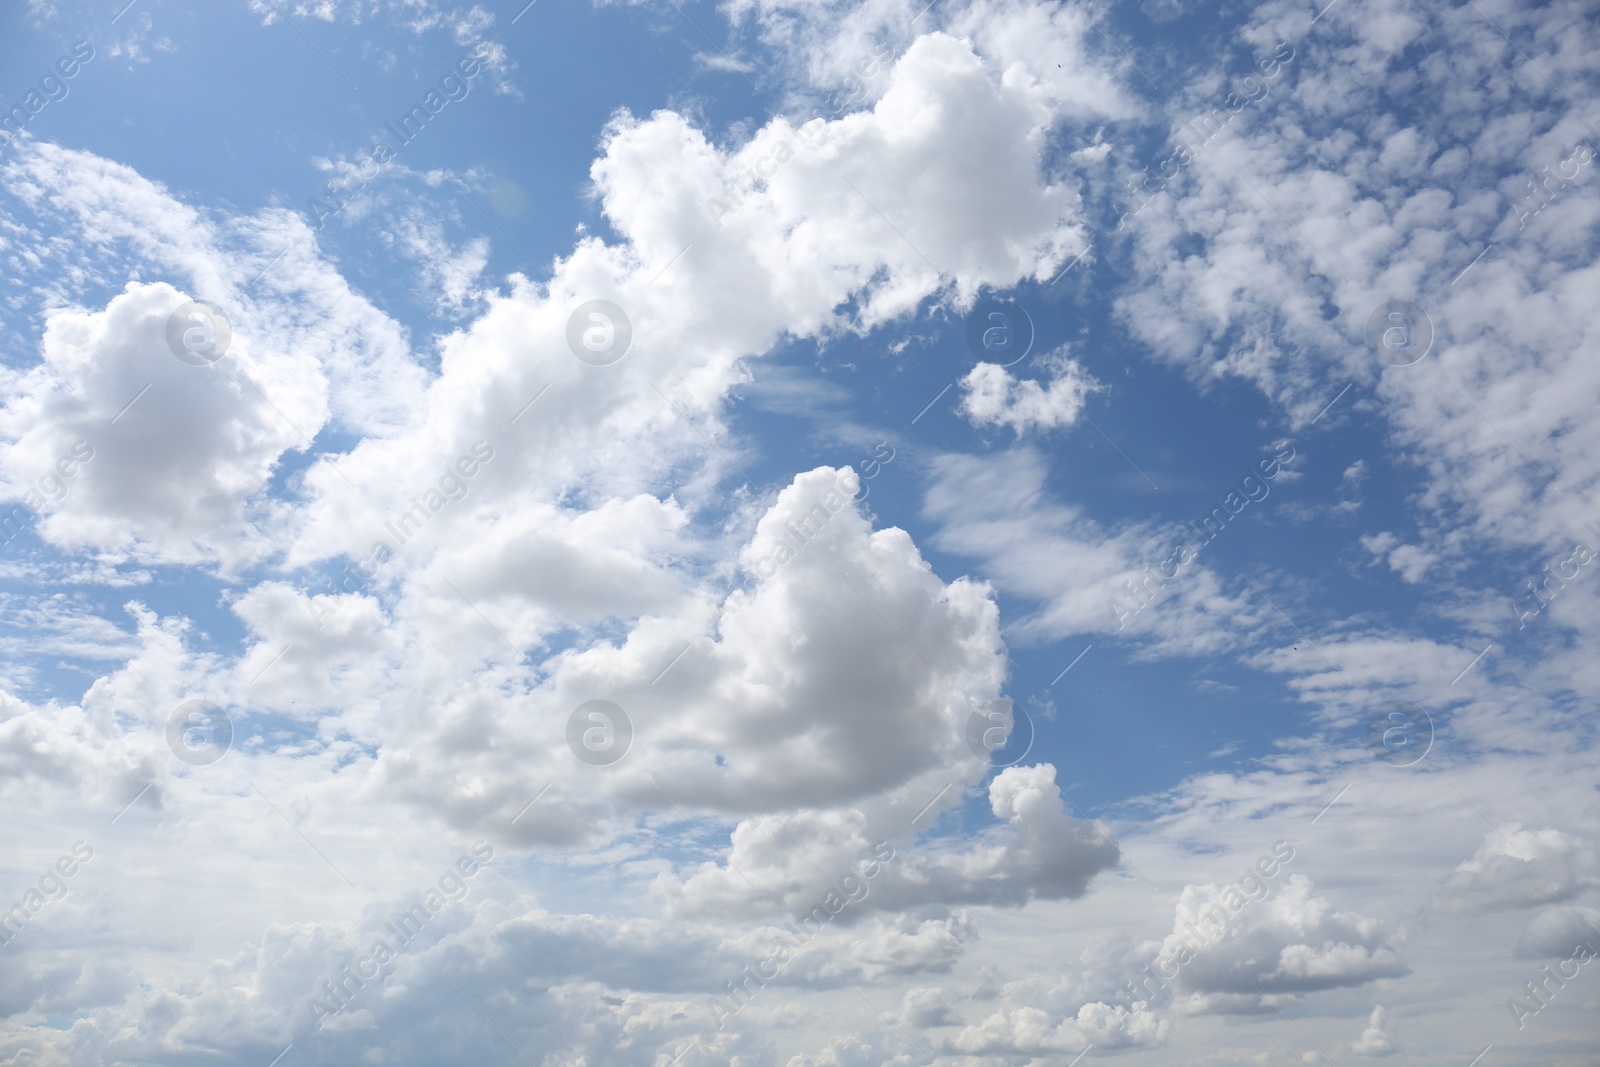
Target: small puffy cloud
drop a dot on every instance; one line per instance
(1375, 1040)
(1410, 562)
(1237, 955)
(991, 396)
(790, 861)
(926, 1006)
(1521, 868)
(1030, 1031)
(904, 944)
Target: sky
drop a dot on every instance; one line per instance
(982, 533)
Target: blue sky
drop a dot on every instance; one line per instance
(802, 210)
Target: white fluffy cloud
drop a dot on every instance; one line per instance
(1516, 867)
(1032, 1032)
(1375, 1040)
(1410, 562)
(1293, 942)
(168, 459)
(799, 675)
(794, 861)
(991, 396)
